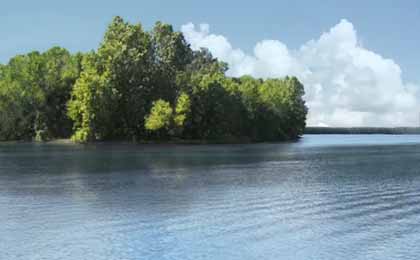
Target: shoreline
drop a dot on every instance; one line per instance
(363, 130)
(68, 141)
(308, 131)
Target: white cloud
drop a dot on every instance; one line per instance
(345, 83)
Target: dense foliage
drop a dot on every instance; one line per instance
(142, 85)
(34, 90)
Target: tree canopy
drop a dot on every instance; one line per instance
(143, 85)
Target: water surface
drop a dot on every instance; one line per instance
(324, 197)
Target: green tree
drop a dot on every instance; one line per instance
(37, 86)
(182, 110)
(92, 104)
(171, 56)
(160, 116)
(143, 85)
(204, 62)
(284, 107)
(61, 71)
(216, 113)
(122, 70)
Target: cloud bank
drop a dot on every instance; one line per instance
(345, 83)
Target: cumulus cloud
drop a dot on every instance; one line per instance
(345, 83)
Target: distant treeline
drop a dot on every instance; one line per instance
(143, 85)
(362, 130)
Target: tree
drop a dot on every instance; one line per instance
(160, 116)
(92, 103)
(142, 85)
(216, 113)
(204, 62)
(283, 100)
(171, 56)
(61, 71)
(166, 120)
(122, 70)
(182, 110)
(37, 86)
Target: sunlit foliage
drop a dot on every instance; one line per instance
(143, 85)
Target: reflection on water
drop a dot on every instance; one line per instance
(325, 197)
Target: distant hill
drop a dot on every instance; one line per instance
(362, 130)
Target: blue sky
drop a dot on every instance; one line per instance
(387, 28)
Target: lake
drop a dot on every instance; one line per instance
(324, 197)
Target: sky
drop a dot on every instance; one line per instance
(358, 60)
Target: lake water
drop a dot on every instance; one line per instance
(324, 197)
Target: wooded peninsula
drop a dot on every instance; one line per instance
(143, 86)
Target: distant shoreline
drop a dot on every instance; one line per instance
(308, 131)
(363, 130)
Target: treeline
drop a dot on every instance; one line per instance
(363, 130)
(139, 86)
